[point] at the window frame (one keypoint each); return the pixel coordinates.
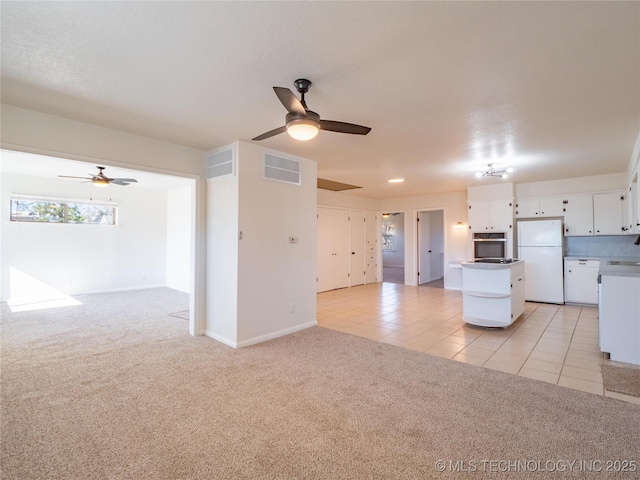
(64, 202)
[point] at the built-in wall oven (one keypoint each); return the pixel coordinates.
(489, 247)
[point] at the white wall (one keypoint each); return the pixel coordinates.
(567, 186)
(327, 198)
(454, 206)
(178, 266)
(260, 286)
(274, 274)
(495, 190)
(74, 259)
(222, 258)
(34, 132)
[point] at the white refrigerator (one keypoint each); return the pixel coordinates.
(540, 246)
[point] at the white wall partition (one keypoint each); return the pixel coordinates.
(178, 270)
(261, 251)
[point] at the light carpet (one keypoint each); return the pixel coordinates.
(116, 388)
(621, 379)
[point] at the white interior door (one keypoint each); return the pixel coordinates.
(424, 248)
(324, 271)
(341, 250)
(436, 244)
(358, 255)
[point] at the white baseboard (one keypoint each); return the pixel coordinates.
(279, 333)
(221, 339)
(261, 338)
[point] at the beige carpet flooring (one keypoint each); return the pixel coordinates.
(622, 379)
(116, 389)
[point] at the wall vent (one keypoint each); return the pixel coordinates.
(220, 163)
(280, 169)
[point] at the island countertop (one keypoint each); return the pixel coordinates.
(490, 266)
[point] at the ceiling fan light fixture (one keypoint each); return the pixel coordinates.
(99, 182)
(303, 129)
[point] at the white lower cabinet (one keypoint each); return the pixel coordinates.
(619, 318)
(492, 294)
(581, 280)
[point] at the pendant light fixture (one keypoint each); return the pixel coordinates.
(493, 172)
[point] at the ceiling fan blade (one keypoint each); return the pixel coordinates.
(271, 133)
(83, 178)
(127, 180)
(290, 101)
(342, 127)
(119, 181)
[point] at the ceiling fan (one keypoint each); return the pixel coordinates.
(101, 180)
(302, 123)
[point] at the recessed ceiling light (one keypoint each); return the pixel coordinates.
(396, 180)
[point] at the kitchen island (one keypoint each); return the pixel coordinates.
(619, 309)
(492, 293)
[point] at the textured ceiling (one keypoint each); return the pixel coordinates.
(549, 88)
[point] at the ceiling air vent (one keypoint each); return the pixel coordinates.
(280, 169)
(220, 163)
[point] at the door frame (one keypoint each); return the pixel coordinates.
(405, 239)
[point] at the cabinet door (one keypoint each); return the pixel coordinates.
(607, 214)
(527, 208)
(479, 216)
(358, 261)
(501, 215)
(580, 283)
(636, 202)
(578, 215)
(372, 246)
(628, 212)
(551, 207)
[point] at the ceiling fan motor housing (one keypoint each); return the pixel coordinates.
(293, 118)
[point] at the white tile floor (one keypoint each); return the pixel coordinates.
(553, 343)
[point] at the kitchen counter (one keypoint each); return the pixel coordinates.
(492, 293)
(490, 266)
(617, 270)
(619, 310)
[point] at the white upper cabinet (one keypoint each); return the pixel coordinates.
(578, 215)
(634, 205)
(608, 213)
(540, 207)
(552, 207)
(491, 215)
(628, 208)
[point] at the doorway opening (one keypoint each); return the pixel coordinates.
(152, 244)
(393, 247)
(431, 248)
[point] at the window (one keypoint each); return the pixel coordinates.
(44, 210)
(388, 235)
